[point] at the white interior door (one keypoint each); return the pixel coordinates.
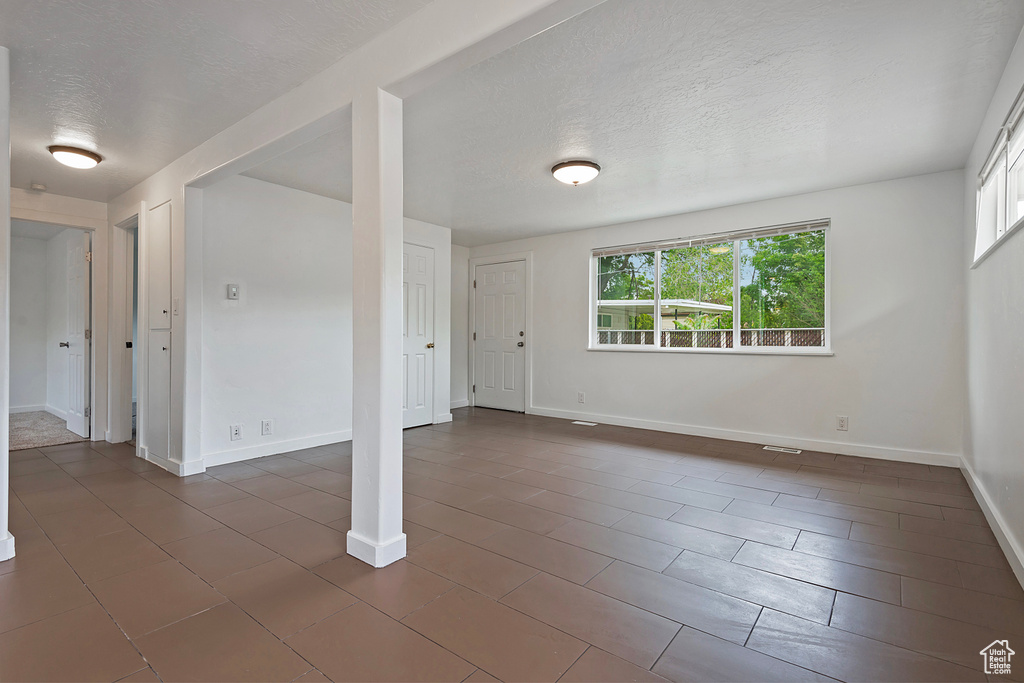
(417, 335)
(499, 349)
(78, 335)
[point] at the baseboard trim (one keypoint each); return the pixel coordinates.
(165, 463)
(28, 409)
(187, 469)
(863, 450)
(460, 404)
(375, 554)
(441, 419)
(160, 461)
(6, 546)
(1010, 544)
(62, 414)
(181, 469)
(276, 448)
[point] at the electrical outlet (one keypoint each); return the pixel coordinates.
(842, 423)
(236, 432)
(581, 397)
(267, 427)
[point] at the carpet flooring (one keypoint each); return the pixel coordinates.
(39, 429)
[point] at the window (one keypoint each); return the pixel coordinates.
(755, 290)
(626, 294)
(1001, 185)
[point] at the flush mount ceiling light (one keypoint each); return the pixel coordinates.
(575, 172)
(74, 157)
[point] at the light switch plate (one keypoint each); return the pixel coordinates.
(233, 292)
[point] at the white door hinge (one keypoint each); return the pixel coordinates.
(88, 257)
(88, 334)
(88, 411)
(474, 284)
(474, 388)
(474, 336)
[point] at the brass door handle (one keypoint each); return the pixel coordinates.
(430, 345)
(64, 345)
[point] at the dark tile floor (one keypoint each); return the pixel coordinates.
(538, 551)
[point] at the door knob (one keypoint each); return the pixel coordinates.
(520, 344)
(430, 345)
(65, 345)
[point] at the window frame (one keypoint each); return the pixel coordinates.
(735, 237)
(997, 169)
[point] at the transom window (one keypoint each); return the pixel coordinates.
(754, 290)
(1001, 185)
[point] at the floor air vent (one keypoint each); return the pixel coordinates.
(585, 424)
(780, 449)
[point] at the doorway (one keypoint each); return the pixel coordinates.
(124, 329)
(499, 336)
(131, 351)
(51, 335)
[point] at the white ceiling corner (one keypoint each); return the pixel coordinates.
(35, 230)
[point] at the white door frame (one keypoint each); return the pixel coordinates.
(120, 363)
(527, 257)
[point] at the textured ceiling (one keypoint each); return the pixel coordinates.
(689, 105)
(145, 81)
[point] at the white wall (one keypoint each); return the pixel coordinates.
(283, 351)
(57, 321)
(28, 324)
(897, 316)
(994, 443)
(460, 326)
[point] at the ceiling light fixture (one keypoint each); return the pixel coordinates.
(575, 172)
(75, 157)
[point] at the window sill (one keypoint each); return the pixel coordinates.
(999, 240)
(748, 351)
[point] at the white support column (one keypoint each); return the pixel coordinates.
(6, 540)
(376, 536)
